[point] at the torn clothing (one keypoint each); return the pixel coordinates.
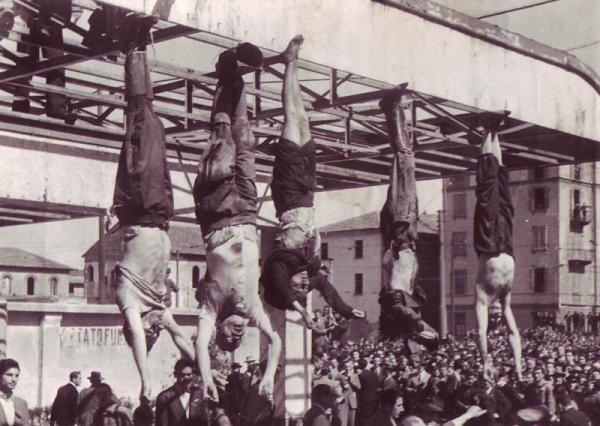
(225, 189)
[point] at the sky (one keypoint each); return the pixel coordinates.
(565, 24)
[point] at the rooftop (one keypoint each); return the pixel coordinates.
(428, 223)
(17, 258)
(185, 239)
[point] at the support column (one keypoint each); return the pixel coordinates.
(3, 323)
(49, 365)
(293, 381)
(443, 276)
(101, 260)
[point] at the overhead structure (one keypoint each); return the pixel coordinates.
(456, 68)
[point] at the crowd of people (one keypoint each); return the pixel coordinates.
(561, 374)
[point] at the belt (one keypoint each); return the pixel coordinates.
(161, 226)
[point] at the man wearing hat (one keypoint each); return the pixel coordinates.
(89, 400)
(294, 269)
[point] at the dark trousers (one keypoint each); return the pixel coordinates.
(143, 191)
(294, 175)
(225, 189)
(399, 216)
(494, 210)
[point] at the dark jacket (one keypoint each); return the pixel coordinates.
(367, 396)
(574, 417)
(278, 270)
(64, 407)
(315, 416)
(170, 411)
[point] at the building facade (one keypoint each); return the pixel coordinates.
(352, 251)
(555, 240)
(29, 277)
(187, 265)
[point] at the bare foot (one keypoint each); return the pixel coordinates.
(291, 51)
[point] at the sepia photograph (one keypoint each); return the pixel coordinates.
(299, 212)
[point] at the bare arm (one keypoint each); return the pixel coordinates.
(305, 315)
(264, 325)
(206, 329)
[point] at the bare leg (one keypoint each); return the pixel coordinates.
(296, 126)
(514, 338)
(183, 343)
(139, 349)
(482, 302)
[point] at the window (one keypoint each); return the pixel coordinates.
(539, 238)
(460, 181)
(358, 284)
(540, 199)
(76, 290)
(30, 286)
(577, 171)
(539, 173)
(90, 273)
(539, 276)
(459, 203)
(459, 244)
(576, 196)
(358, 249)
(6, 284)
(460, 282)
(460, 324)
(324, 251)
(54, 286)
(195, 276)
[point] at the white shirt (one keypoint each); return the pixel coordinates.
(8, 405)
(185, 402)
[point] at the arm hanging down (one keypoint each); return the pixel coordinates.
(273, 353)
(206, 329)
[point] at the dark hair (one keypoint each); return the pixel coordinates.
(362, 363)
(388, 397)
(7, 364)
(183, 363)
(320, 392)
(563, 396)
(224, 344)
(74, 374)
